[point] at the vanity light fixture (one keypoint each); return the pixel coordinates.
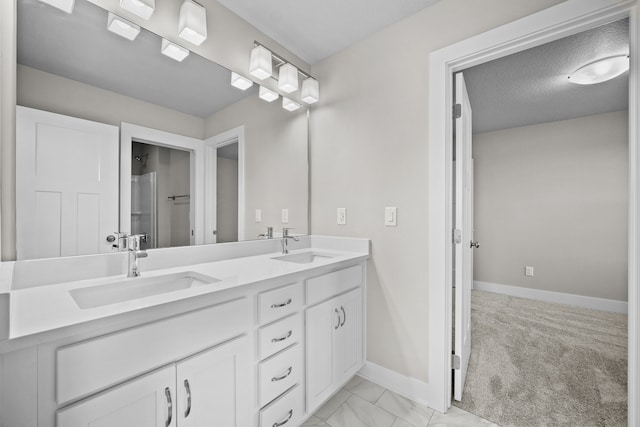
(192, 23)
(288, 78)
(142, 8)
(63, 5)
(310, 92)
(240, 82)
(173, 50)
(267, 94)
(260, 64)
(601, 70)
(122, 27)
(289, 105)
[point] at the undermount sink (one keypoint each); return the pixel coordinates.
(135, 288)
(304, 257)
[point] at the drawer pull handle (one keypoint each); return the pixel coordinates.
(282, 338)
(186, 386)
(283, 376)
(284, 304)
(344, 316)
(338, 324)
(283, 422)
(167, 393)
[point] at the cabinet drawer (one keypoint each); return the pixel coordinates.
(279, 335)
(322, 287)
(277, 303)
(279, 373)
(88, 366)
(284, 412)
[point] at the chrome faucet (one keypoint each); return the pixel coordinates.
(268, 234)
(285, 240)
(133, 247)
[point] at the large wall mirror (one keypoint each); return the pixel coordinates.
(196, 160)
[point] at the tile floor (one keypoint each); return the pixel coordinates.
(362, 403)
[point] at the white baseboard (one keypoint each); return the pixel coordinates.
(555, 297)
(408, 387)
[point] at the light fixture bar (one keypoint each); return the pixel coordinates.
(281, 61)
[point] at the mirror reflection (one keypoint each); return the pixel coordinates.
(200, 161)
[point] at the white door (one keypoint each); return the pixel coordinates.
(213, 387)
(463, 264)
(149, 401)
(66, 185)
(349, 348)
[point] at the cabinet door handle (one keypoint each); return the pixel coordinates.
(167, 393)
(344, 316)
(186, 386)
(286, 420)
(283, 376)
(338, 313)
(284, 304)
(282, 338)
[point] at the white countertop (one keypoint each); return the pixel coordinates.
(43, 308)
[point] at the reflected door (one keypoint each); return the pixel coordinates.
(66, 185)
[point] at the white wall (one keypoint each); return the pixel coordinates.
(369, 148)
(554, 196)
(276, 172)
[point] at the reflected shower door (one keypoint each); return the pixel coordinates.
(143, 208)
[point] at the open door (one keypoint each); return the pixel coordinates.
(463, 235)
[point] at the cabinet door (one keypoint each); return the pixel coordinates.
(213, 386)
(148, 401)
(323, 322)
(348, 350)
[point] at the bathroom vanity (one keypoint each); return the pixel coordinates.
(222, 335)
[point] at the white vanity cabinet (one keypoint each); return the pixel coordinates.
(211, 389)
(334, 336)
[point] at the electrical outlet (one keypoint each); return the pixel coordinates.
(391, 216)
(528, 271)
(342, 216)
(285, 216)
(258, 215)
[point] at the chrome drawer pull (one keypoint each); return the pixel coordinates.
(338, 313)
(167, 393)
(281, 305)
(283, 422)
(186, 386)
(282, 338)
(344, 316)
(280, 378)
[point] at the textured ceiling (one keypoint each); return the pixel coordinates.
(80, 47)
(316, 29)
(531, 87)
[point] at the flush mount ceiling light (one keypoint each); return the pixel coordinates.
(173, 50)
(288, 78)
(240, 82)
(142, 8)
(310, 91)
(600, 71)
(267, 94)
(192, 23)
(289, 104)
(122, 27)
(64, 5)
(260, 64)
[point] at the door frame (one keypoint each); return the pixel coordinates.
(211, 145)
(565, 19)
(130, 133)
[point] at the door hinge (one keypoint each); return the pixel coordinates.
(457, 111)
(457, 236)
(455, 361)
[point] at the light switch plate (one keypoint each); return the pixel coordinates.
(342, 216)
(258, 215)
(391, 216)
(528, 271)
(285, 216)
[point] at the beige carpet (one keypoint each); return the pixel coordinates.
(539, 364)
